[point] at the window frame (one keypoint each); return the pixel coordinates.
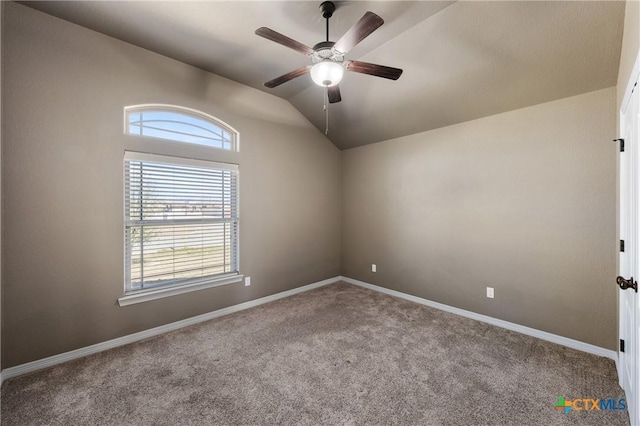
(206, 156)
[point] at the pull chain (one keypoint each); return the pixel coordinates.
(326, 109)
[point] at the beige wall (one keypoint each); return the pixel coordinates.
(65, 89)
(524, 202)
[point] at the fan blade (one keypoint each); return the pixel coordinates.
(373, 69)
(334, 94)
(288, 76)
(269, 34)
(360, 30)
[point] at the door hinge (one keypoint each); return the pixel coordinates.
(621, 245)
(621, 144)
(621, 345)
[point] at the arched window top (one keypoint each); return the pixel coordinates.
(180, 124)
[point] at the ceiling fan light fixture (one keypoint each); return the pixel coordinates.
(327, 73)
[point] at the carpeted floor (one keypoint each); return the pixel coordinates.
(339, 354)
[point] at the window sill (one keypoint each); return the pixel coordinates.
(160, 293)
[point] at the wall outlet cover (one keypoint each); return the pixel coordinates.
(247, 281)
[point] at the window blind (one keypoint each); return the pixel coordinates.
(181, 221)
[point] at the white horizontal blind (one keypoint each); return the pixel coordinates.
(181, 221)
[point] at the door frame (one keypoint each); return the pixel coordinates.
(634, 81)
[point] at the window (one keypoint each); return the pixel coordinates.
(181, 221)
(180, 215)
(179, 125)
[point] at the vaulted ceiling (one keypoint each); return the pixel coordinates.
(461, 60)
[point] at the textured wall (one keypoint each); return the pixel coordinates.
(65, 89)
(524, 202)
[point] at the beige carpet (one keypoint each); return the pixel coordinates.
(336, 355)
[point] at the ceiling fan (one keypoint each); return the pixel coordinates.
(328, 56)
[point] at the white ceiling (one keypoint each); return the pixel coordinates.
(461, 60)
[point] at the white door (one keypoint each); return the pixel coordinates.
(629, 322)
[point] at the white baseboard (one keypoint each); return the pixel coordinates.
(29, 367)
(554, 338)
(131, 338)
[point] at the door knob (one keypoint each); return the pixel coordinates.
(625, 284)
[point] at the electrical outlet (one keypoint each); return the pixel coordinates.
(373, 267)
(247, 281)
(490, 292)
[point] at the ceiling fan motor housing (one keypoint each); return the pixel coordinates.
(324, 51)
